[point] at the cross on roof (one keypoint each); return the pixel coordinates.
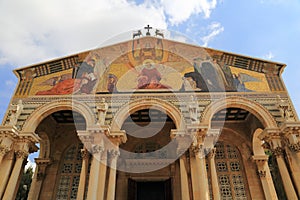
(148, 28)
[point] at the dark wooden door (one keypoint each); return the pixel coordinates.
(150, 190)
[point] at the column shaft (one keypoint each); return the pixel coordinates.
(93, 180)
(14, 177)
(101, 179)
(287, 182)
(5, 169)
(185, 194)
(199, 177)
(266, 179)
(83, 174)
(214, 176)
(112, 180)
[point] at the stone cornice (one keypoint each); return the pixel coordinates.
(288, 128)
(270, 133)
(9, 131)
(260, 158)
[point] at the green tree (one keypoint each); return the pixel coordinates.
(25, 183)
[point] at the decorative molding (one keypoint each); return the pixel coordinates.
(4, 150)
(295, 147)
(278, 151)
(261, 173)
(21, 154)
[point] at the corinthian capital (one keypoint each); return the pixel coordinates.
(295, 147)
(21, 154)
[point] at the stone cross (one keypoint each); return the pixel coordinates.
(148, 29)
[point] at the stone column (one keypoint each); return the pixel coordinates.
(3, 151)
(213, 174)
(293, 160)
(84, 171)
(102, 176)
(113, 141)
(38, 178)
(287, 182)
(183, 143)
(185, 194)
(21, 156)
(199, 175)
(5, 169)
(275, 139)
(113, 154)
(96, 151)
(7, 137)
(198, 163)
(265, 176)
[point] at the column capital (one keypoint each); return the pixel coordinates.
(198, 151)
(21, 154)
(97, 149)
(4, 150)
(295, 147)
(262, 173)
(278, 151)
(113, 153)
(84, 153)
(212, 153)
(42, 164)
(183, 139)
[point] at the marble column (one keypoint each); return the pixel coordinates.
(21, 156)
(38, 178)
(96, 151)
(293, 160)
(185, 194)
(287, 182)
(7, 137)
(102, 176)
(84, 171)
(265, 176)
(5, 169)
(3, 151)
(111, 190)
(199, 175)
(213, 174)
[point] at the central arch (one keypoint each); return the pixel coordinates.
(140, 104)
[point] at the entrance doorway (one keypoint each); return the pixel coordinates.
(149, 190)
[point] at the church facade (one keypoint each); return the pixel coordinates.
(152, 118)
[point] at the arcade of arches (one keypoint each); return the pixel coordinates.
(242, 159)
(152, 118)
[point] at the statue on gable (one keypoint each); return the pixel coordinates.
(193, 110)
(16, 111)
(284, 109)
(102, 109)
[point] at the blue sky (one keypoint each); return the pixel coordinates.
(34, 31)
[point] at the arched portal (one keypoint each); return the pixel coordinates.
(149, 148)
(59, 163)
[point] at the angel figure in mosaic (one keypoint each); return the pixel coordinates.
(240, 79)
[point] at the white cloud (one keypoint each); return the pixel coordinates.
(214, 29)
(30, 164)
(35, 30)
(179, 11)
(269, 56)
